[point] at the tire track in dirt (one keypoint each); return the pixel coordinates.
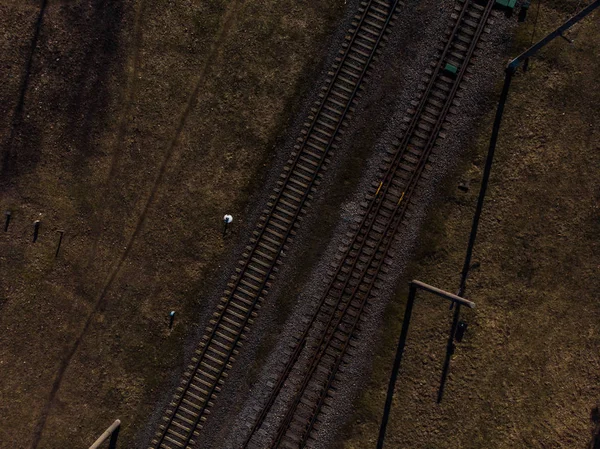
(213, 54)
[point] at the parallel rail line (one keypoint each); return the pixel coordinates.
(205, 376)
(328, 337)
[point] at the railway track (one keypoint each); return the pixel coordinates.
(202, 381)
(327, 339)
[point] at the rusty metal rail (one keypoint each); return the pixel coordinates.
(205, 376)
(329, 334)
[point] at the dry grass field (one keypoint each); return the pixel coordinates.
(527, 374)
(143, 122)
(136, 124)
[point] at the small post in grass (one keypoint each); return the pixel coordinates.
(61, 232)
(171, 319)
(36, 230)
(8, 215)
(226, 220)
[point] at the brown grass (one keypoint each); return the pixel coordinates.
(528, 372)
(103, 105)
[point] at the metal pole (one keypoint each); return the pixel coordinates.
(514, 64)
(510, 70)
(443, 294)
(475, 225)
(414, 285)
(113, 432)
(397, 362)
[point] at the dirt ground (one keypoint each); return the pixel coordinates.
(142, 123)
(527, 374)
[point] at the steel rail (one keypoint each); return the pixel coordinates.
(385, 185)
(302, 339)
(269, 275)
(412, 186)
(333, 373)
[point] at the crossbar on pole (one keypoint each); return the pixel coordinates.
(113, 429)
(558, 32)
(444, 294)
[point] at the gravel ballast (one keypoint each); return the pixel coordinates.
(393, 84)
(432, 19)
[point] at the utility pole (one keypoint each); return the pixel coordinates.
(511, 69)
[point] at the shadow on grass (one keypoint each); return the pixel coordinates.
(77, 96)
(84, 98)
(595, 417)
(9, 152)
